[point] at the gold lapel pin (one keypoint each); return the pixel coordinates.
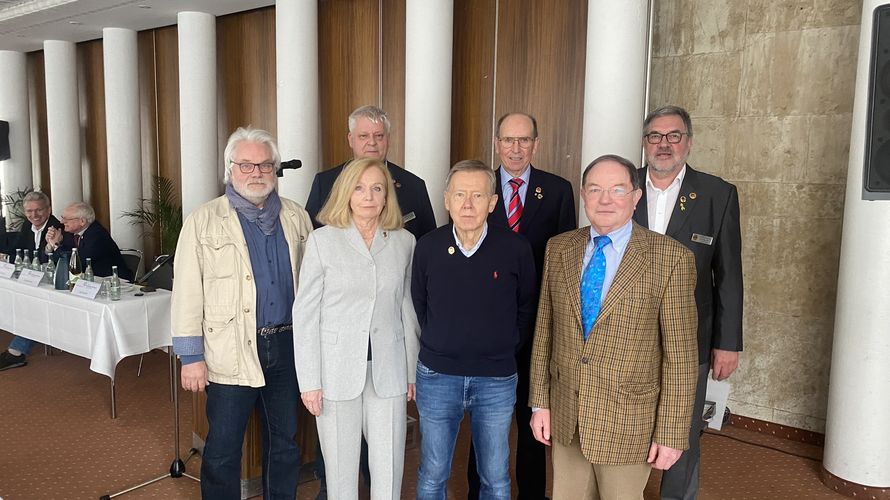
(538, 189)
(450, 250)
(692, 196)
(398, 185)
(682, 199)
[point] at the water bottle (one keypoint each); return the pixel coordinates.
(114, 286)
(49, 270)
(88, 272)
(26, 263)
(74, 269)
(19, 261)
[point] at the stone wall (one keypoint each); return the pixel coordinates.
(769, 85)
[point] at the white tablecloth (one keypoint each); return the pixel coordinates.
(105, 332)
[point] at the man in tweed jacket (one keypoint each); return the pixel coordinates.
(618, 403)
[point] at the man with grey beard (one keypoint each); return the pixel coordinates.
(236, 270)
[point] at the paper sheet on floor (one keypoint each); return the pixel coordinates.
(718, 393)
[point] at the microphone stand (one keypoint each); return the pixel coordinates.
(177, 467)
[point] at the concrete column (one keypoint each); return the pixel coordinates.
(14, 109)
(120, 57)
(63, 123)
(428, 57)
(857, 438)
(201, 172)
(615, 81)
(296, 67)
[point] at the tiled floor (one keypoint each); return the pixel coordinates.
(59, 442)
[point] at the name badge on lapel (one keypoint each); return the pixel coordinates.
(700, 238)
(408, 217)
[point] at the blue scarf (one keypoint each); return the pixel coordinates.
(266, 217)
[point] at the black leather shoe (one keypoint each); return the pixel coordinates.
(9, 360)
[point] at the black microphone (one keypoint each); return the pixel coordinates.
(289, 165)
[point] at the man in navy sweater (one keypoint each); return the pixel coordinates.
(474, 291)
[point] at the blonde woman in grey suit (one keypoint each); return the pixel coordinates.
(356, 333)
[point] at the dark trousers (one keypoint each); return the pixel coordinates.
(228, 409)
(680, 482)
(531, 458)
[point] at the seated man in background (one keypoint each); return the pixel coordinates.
(91, 240)
(31, 236)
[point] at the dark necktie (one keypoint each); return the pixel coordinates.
(592, 285)
(77, 241)
(514, 211)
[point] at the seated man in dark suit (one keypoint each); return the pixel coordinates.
(369, 137)
(32, 237)
(91, 240)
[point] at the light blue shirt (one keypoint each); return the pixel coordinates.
(613, 252)
(507, 189)
(468, 252)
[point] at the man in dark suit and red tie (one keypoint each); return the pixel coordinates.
(701, 211)
(537, 205)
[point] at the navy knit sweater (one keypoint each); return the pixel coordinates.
(474, 312)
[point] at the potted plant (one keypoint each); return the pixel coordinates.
(162, 213)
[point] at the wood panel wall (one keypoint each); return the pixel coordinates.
(392, 79)
(245, 56)
(166, 67)
(540, 64)
(348, 69)
(37, 96)
(91, 90)
(472, 95)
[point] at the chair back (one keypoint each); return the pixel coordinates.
(133, 260)
(161, 275)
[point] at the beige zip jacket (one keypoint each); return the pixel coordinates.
(213, 293)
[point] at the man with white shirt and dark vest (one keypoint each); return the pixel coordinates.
(701, 211)
(31, 236)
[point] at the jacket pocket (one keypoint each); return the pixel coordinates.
(220, 256)
(221, 346)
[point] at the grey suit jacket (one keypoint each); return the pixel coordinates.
(347, 294)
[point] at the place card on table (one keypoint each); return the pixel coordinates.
(31, 277)
(6, 270)
(86, 289)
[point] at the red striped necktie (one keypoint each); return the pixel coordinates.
(514, 211)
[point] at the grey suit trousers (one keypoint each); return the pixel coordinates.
(340, 429)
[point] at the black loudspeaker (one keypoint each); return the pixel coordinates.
(877, 136)
(4, 140)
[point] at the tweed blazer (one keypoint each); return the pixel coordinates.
(633, 381)
(347, 295)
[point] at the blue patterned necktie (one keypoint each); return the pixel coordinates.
(592, 285)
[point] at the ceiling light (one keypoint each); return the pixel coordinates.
(74, 22)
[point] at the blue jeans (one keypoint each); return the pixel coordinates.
(22, 345)
(229, 407)
(441, 402)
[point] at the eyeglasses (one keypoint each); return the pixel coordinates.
(615, 192)
(248, 168)
(672, 137)
(524, 142)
